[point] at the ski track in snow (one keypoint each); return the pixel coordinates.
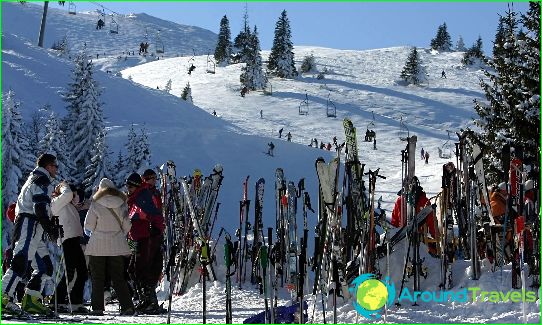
(359, 83)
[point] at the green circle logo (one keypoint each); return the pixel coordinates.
(371, 295)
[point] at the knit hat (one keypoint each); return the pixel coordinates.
(106, 183)
(134, 180)
(148, 172)
(529, 185)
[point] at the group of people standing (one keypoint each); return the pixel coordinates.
(124, 248)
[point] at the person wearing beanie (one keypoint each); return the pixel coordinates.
(146, 233)
(107, 220)
(63, 205)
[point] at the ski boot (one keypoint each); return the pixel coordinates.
(9, 307)
(33, 305)
(151, 307)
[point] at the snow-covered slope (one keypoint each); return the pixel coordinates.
(359, 83)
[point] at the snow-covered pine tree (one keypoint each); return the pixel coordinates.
(253, 76)
(512, 111)
(85, 115)
(34, 129)
(242, 42)
(133, 155)
(281, 60)
(474, 53)
(187, 93)
(308, 64)
(413, 72)
(500, 35)
(120, 174)
(460, 45)
(99, 166)
(54, 142)
(167, 88)
(442, 41)
(223, 45)
(144, 149)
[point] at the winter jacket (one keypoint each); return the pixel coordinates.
(34, 198)
(108, 236)
(422, 202)
(67, 213)
(497, 200)
(144, 213)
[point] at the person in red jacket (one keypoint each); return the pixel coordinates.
(147, 233)
(421, 202)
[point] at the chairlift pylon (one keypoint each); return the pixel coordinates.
(331, 109)
(211, 66)
(304, 106)
(191, 66)
(72, 8)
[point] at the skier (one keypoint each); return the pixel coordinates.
(107, 220)
(280, 133)
(422, 154)
(322, 145)
(64, 202)
(33, 225)
(244, 90)
(214, 112)
(289, 137)
(328, 147)
(426, 157)
(335, 140)
(261, 113)
(146, 232)
(443, 75)
(374, 143)
(270, 149)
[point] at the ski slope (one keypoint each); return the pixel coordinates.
(360, 84)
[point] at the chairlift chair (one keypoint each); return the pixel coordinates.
(304, 106)
(159, 44)
(113, 26)
(370, 133)
(72, 8)
(446, 150)
(404, 133)
(331, 109)
(211, 66)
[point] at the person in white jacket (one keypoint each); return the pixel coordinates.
(63, 205)
(107, 220)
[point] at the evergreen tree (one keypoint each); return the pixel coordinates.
(500, 35)
(54, 142)
(460, 45)
(120, 173)
(133, 159)
(242, 42)
(442, 41)
(413, 72)
(474, 53)
(34, 129)
(511, 114)
(281, 60)
(85, 116)
(308, 64)
(167, 88)
(99, 163)
(144, 148)
(223, 46)
(187, 93)
(253, 76)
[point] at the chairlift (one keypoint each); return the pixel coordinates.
(191, 66)
(159, 44)
(304, 106)
(113, 26)
(404, 133)
(370, 132)
(446, 150)
(211, 66)
(331, 109)
(72, 8)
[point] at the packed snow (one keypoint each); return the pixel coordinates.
(363, 85)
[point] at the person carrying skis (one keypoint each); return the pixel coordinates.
(34, 226)
(146, 233)
(64, 202)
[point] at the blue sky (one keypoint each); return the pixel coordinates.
(344, 25)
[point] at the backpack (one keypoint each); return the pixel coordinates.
(10, 213)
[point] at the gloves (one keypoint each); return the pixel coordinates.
(154, 231)
(52, 228)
